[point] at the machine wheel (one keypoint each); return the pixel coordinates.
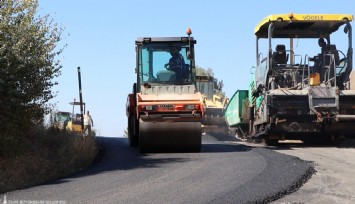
(310, 140)
(196, 148)
(133, 138)
(133, 125)
(271, 142)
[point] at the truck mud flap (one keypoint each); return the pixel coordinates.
(169, 136)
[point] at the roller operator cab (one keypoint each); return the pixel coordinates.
(165, 109)
(300, 88)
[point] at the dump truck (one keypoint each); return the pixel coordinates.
(164, 110)
(214, 103)
(300, 92)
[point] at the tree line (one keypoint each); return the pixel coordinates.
(28, 68)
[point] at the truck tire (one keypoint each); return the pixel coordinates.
(132, 133)
(133, 125)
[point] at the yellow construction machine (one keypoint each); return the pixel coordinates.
(214, 103)
(67, 121)
(75, 123)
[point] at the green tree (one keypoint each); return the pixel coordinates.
(28, 66)
(204, 72)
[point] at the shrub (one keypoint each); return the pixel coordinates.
(45, 155)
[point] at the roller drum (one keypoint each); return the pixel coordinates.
(169, 136)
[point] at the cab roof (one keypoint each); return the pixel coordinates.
(143, 40)
(301, 25)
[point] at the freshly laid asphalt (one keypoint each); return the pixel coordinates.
(224, 172)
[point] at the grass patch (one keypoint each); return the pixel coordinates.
(44, 155)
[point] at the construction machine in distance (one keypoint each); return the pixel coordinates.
(59, 119)
(164, 110)
(214, 103)
(67, 121)
(75, 123)
(294, 94)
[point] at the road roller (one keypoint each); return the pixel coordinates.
(164, 110)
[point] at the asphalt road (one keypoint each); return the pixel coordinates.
(334, 181)
(224, 172)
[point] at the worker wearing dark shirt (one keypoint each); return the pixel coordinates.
(176, 63)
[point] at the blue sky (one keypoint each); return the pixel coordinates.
(100, 39)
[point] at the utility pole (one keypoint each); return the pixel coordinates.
(81, 100)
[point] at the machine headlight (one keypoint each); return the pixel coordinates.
(189, 107)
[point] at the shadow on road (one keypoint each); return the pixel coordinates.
(223, 148)
(118, 155)
(291, 144)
